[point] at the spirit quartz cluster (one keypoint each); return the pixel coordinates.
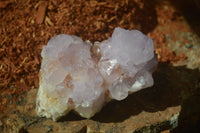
(76, 75)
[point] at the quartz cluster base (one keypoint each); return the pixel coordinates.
(76, 75)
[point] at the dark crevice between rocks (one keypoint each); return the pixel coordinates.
(189, 118)
(155, 128)
(71, 116)
(190, 9)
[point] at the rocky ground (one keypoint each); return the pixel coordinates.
(171, 105)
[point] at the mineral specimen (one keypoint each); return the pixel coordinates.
(76, 75)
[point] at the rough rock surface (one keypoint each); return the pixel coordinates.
(161, 107)
(172, 24)
(72, 79)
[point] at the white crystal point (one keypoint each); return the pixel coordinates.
(75, 77)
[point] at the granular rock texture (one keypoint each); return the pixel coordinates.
(74, 77)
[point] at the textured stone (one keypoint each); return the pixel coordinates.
(72, 78)
(150, 110)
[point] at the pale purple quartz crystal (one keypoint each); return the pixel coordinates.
(72, 79)
(126, 62)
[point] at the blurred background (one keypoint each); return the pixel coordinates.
(174, 25)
